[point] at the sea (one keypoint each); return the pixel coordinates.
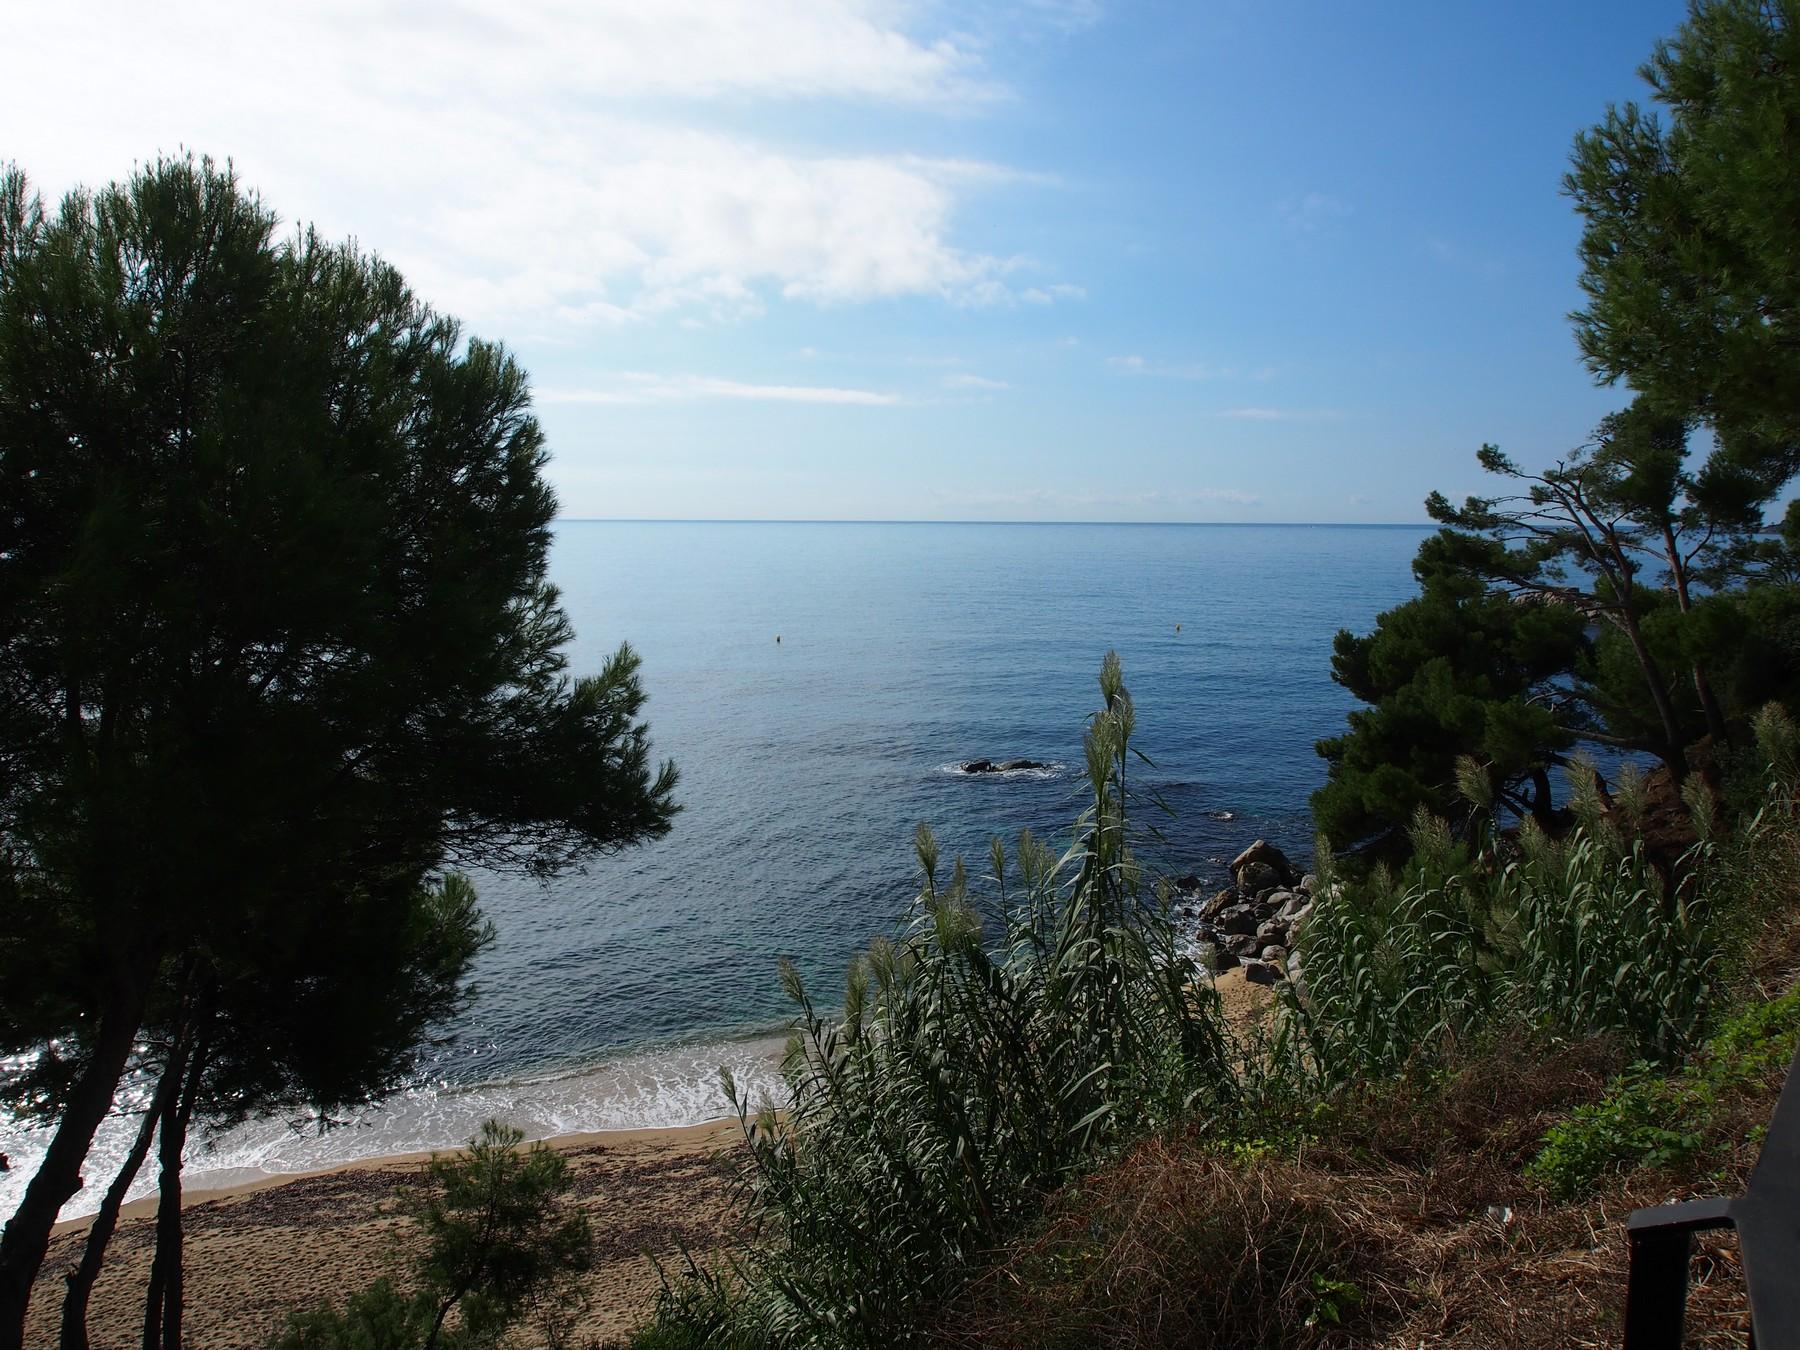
(818, 685)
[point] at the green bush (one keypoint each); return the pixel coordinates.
(1669, 1122)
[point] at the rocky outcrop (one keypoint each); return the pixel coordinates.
(1256, 921)
(999, 766)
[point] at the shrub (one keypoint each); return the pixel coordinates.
(1672, 1122)
(500, 1245)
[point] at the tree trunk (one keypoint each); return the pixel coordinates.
(1671, 753)
(163, 1298)
(1543, 808)
(1709, 705)
(27, 1235)
(93, 1255)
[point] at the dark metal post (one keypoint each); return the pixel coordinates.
(1656, 1294)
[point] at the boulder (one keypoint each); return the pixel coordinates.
(1240, 945)
(1272, 930)
(1261, 972)
(978, 766)
(1309, 883)
(1275, 954)
(1258, 876)
(1264, 854)
(1218, 904)
(1209, 956)
(1188, 883)
(1237, 919)
(1296, 909)
(1012, 764)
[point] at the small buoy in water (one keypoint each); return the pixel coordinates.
(1177, 628)
(778, 639)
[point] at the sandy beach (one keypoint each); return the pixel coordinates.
(255, 1252)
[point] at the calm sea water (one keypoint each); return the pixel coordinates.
(610, 997)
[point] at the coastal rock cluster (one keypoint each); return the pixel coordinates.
(1254, 921)
(998, 766)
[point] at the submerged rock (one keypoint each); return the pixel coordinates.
(1003, 766)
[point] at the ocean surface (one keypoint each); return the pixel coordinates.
(611, 997)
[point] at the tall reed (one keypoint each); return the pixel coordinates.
(966, 1078)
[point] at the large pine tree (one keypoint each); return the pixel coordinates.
(275, 628)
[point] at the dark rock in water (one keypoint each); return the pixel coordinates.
(1188, 883)
(1264, 854)
(1218, 904)
(1005, 766)
(1259, 876)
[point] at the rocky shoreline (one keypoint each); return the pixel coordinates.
(1253, 923)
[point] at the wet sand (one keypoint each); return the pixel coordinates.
(256, 1252)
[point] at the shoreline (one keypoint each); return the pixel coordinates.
(627, 1137)
(260, 1250)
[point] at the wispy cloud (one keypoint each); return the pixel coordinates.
(639, 387)
(964, 381)
(1284, 414)
(539, 165)
(1138, 365)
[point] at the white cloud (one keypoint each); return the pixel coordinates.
(1284, 414)
(537, 165)
(973, 382)
(640, 387)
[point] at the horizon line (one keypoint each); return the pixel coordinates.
(899, 520)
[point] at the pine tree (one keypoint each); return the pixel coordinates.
(275, 628)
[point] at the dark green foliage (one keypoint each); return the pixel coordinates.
(501, 1244)
(1668, 1121)
(1689, 256)
(277, 649)
(377, 1318)
(498, 1242)
(1458, 671)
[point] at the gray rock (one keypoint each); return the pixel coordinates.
(1272, 930)
(1210, 957)
(1256, 877)
(1264, 854)
(1237, 919)
(1220, 901)
(1260, 972)
(1295, 909)
(1274, 953)
(1240, 945)
(1309, 883)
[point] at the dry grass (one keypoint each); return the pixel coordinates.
(1417, 1200)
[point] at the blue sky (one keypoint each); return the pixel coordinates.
(1044, 260)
